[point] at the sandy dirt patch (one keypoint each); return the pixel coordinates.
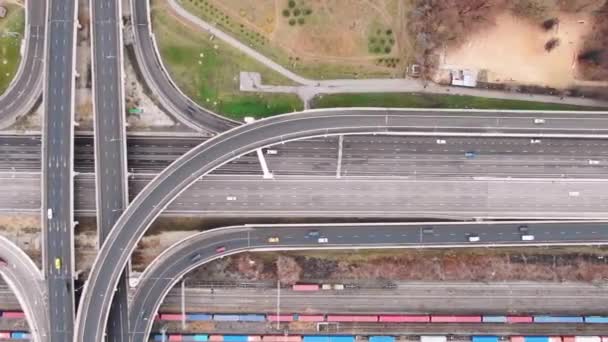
(513, 51)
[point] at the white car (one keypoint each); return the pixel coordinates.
(272, 152)
(473, 238)
(594, 162)
(322, 240)
(49, 213)
(527, 237)
(539, 121)
(441, 141)
(534, 141)
(230, 198)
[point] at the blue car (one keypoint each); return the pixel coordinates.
(470, 154)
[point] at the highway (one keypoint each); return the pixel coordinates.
(175, 103)
(26, 87)
(223, 148)
(364, 197)
(57, 168)
(112, 194)
(25, 280)
(171, 265)
(361, 156)
(407, 297)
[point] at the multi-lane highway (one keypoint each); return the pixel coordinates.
(110, 138)
(25, 279)
(57, 167)
(176, 103)
(223, 148)
(26, 87)
(176, 261)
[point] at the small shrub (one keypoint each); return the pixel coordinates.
(372, 40)
(391, 41)
(296, 12)
(389, 32)
(301, 21)
(387, 49)
(376, 49)
(308, 11)
(292, 21)
(286, 13)
(291, 3)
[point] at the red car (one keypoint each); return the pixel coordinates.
(220, 249)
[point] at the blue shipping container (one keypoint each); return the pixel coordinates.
(252, 318)
(226, 318)
(494, 319)
(317, 338)
(187, 338)
(201, 338)
(341, 338)
(485, 338)
(536, 338)
(198, 317)
(596, 319)
(381, 339)
(20, 335)
(558, 319)
(158, 338)
(235, 338)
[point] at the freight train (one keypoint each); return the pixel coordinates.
(352, 338)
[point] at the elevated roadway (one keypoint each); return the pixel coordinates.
(57, 167)
(112, 194)
(221, 149)
(26, 87)
(176, 103)
(25, 280)
(169, 267)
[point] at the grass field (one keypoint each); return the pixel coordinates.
(208, 71)
(11, 33)
(411, 100)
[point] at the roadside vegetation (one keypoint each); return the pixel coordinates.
(412, 100)
(208, 71)
(11, 33)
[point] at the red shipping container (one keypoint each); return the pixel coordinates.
(282, 338)
(280, 318)
(555, 339)
(5, 335)
(456, 319)
(171, 317)
(405, 318)
(175, 338)
(305, 287)
(216, 338)
(311, 318)
(569, 339)
(351, 318)
(519, 319)
(517, 339)
(13, 314)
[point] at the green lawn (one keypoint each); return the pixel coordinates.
(208, 71)
(11, 33)
(412, 100)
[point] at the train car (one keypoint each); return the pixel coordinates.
(199, 317)
(5, 335)
(433, 338)
(382, 339)
(254, 338)
(494, 319)
(587, 339)
(596, 319)
(485, 339)
(252, 318)
(352, 318)
(13, 314)
(536, 338)
(195, 338)
(225, 318)
(516, 339)
(280, 318)
(235, 338)
(281, 338)
(520, 319)
(20, 335)
(328, 338)
(171, 317)
(405, 318)
(175, 338)
(558, 319)
(216, 338)
(455, 319)
(305, 287)
(310, 318)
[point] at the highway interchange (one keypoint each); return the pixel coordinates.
(551, 164)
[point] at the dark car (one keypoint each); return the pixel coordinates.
(195, 257)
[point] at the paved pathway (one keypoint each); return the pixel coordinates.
(309, 88)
